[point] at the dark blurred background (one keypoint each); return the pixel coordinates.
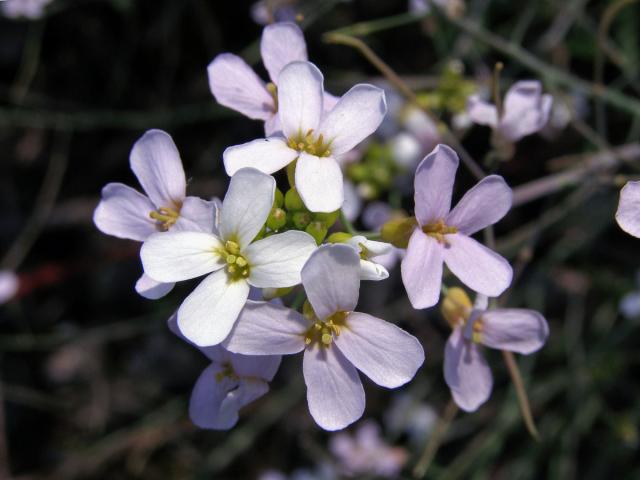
(93, 383)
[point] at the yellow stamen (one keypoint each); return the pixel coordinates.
(438, 230)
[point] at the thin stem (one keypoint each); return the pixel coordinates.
(497, 99)
(299, 300)
(403, 88)
(521, 392)
(347, 224)
(435, 440)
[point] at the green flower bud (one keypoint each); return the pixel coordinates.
(317, 230)
(292, 201)
(339, 237)
(262, 232)
(398, 231)
(271, 293)
(277, 219)
(278, 199)
(301, 220)
(327, 218)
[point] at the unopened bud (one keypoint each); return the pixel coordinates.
(456, 307)
(278, 199)
(300, 220)
(339, 237)
(292, 201)
(277, 219)
(327, 218)
(398, 231)
(271, 293)
(317, 230)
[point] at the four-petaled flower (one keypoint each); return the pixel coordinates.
(231, 257)
(125, 213)
(235, 85)
(628, 213)
(525, 111)
(368, 251)
(311, 138)
(337, 341)
(443, 235)
(228, 384)
(465, 369)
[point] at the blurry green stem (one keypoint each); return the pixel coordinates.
(525, 408)
(347, 224)
(435, 440)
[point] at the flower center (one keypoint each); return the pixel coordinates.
(438, 230)
(322, 332)
(226, 372)
(310, 144)
(237, 265)
(476, 334)
(273, 91)
(165, 216)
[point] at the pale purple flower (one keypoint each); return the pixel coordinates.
(9, 284)
(235, 85)
(337, 341)
(466, 371)
(366, 453)
(228, 384)
(370, 251)
(525, 111)
(230, 258)
(443, 235)
(310, 137)
(125, 213)
(628, 213)
(265, 12)
(29, 9)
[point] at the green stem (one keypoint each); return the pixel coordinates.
(347, 224)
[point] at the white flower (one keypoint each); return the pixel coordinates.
(9, 284)
(628, 213)
(368, 250)
(311, 138)
(29, 9)
(125, 213)
(234, 263)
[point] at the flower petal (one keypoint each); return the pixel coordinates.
(466, 372)
(372, 271)
(383, 352)
(257, 366)
(177, 256)
(267, 329)
(156, 162)
(628, 213)
(276, 261)
(331, 279)
(514, 329)
(358, 114)
(319, 183)
(246, 205)
(266, 154)
(486, 203)
(9, 285)
(235, 85)
(197, 215)
(481, 112)
(434, 184)
(300, 98)
(124, 213)
(526, 111)
(148, 288)
(479, 268)
(207, 397)
(207, 315)
(281, 44)
(334, 390)
(272, 126)
(422, 270)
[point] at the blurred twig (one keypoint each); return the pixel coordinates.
(521, 391)
(29, 63)
(435, 440)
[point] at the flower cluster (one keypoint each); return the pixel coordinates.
(262, 242)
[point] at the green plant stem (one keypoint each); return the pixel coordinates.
(521, 392)
(435, 440)
(347, 224)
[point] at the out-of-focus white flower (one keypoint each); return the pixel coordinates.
(630, 303)
(628, 213)
(265, 12)
(408, 415)
(406, 150)
(352, 201)
(29, 9)
(366, 452)
(451, 7)
(9, 284)
(322, 471)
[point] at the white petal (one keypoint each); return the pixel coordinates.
(9, 285)
(257, 366)
(479, 268)
(372, 271)
(235, 85)
(433, 184)
(466, 372)
(422, 270)
(177, 256)
(281, 44)
(352, 204)
(148, 288)
(371, 248)
(334, 390)
(266, 154)
(300, 93)
(514, 329)
(197, 215)
(525, 110)
(628, 213)
(267, 329)
(156, 162)
(357, 115)
(486, 203)
(331, 279)
(319, 183)
(246, 205)
(207, 315)
(124, 213)
(383, 352)
(481, 112)
(206, 400)
(272, 126)
(276, 261)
